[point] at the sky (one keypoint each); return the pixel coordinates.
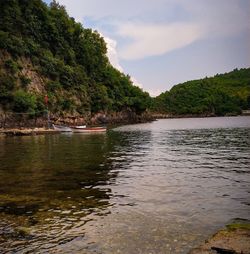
(161, 43)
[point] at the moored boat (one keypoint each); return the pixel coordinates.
(80, 126)
(88, 129)
(61, 128)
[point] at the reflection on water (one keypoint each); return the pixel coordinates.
(51, 184)
(159, 187)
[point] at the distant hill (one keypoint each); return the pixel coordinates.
(223, 94)
(45, 52)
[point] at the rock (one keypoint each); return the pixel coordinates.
(234, 239)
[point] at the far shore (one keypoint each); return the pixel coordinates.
(169, 116)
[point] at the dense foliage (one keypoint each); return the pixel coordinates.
(70, 59)
(41, 44)
(219, 95)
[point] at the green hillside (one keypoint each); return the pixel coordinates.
(224, 94)
(44, 51)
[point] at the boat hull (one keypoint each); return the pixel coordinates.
(61, 128)
(89, 130)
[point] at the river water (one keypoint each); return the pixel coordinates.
(160, 187)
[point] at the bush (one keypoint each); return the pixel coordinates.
(12, 66)
(7, 84)
(40, 106)
(24, 102)
(16, 46)
(52, 86)
(4, 40)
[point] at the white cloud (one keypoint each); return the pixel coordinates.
(211, 19)
(160, 26)
(154, 92)
(114, 59)
(112, 53)
(99, 9)
(137, 29)
(156, 39)
(136, 82)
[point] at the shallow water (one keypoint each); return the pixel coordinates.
(159, 187)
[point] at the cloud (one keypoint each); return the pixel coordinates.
(146, 28)
(112, 53)
(114, 59)
(154, 92)
(156, 39)
(136, 82)
(139, 29)
(220, 18)
(99, 9)
(216, 19)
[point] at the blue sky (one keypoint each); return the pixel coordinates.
(161, 43)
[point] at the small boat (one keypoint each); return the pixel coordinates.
(88, 129)
(80, 127)
(61, 128)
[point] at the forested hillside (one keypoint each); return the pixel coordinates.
(45, 52)
(224, 94)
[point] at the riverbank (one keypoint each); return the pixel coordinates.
(171, 116)
(233, 239)
(12, 121)
(27, 131)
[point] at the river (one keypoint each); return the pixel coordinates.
(160, 187)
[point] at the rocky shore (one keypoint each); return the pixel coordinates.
(27, 131)
(233, 239)
(12, 121)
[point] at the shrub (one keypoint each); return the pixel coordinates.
(12, 66)
(24, 102)
(7, 84)
(52, 86)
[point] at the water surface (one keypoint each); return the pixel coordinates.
(160, 187)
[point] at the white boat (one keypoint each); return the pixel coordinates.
(80, 127)
(61, 128)
(88, 129)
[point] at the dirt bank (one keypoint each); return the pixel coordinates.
(27, 132)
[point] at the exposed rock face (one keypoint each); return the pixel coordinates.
(11, 120)
(37, 82)
(37, 85)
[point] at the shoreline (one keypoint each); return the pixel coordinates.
(167, 116)
(32, 131)
(27, 131)
(234, 238)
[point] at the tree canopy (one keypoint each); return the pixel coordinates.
(41, 42)
(70, 58)
(222, 94)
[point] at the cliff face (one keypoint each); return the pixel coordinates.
(22, 70)
(37, 85)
